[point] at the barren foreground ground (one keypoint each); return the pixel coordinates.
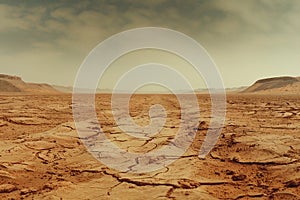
(256, 157)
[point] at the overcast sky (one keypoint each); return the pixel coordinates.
(46, 41)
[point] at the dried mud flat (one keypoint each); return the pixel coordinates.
(256, 157)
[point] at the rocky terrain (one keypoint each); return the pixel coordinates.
(14, 84)
(256, 157)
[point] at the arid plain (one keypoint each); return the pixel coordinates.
(256, 157)
(257, 154)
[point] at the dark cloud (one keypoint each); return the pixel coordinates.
(243, 30)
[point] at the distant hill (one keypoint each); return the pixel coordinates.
(69, 89)
(280, 85)
(14, 84)
(64, 89)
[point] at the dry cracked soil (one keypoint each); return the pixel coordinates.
(256, 157)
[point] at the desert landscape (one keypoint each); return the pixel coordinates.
(153, 99)
(256, 157)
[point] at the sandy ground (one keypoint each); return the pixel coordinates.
(256, 157)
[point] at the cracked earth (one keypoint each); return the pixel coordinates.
(256, 157)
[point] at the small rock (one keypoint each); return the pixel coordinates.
(47, 187)
(229, 172)
(240, 177)
(7, 188)
(292, 183)
(27, 191)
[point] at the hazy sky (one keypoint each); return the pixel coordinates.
(46, 41)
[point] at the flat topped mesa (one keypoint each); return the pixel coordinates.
(277, 85)
(286, 79)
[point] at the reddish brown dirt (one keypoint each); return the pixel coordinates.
(256, 157)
